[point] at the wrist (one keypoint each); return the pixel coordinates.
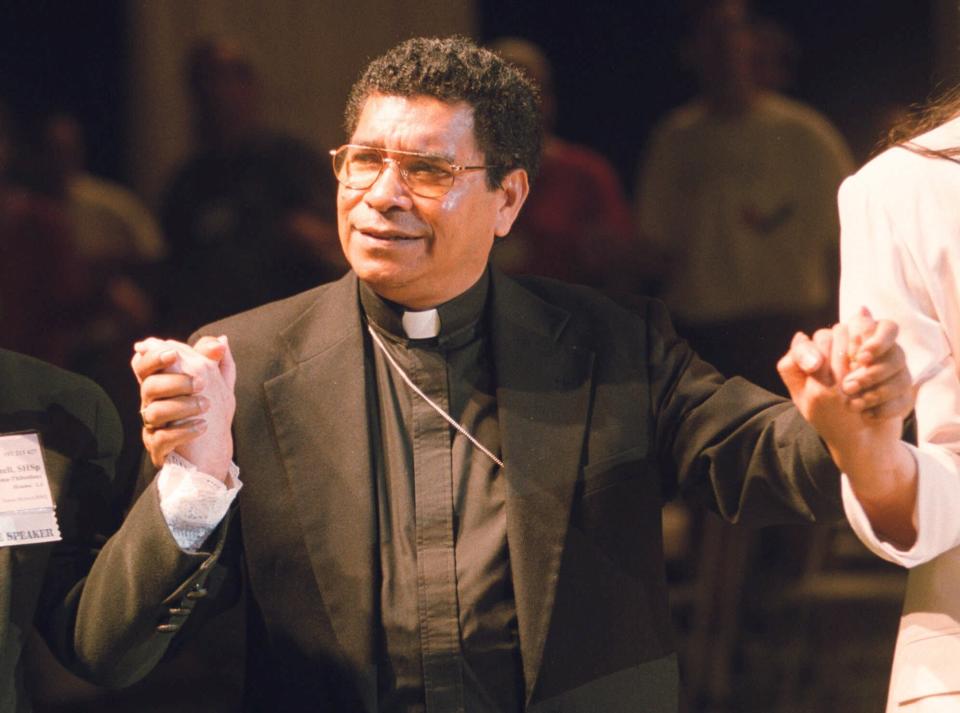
(214, 463)
(879, 472)
(868, 447)
(886, 485)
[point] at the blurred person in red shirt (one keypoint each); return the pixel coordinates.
(576, 225)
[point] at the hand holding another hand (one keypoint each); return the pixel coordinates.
(187, 400)
(852, 384)
(850, 380)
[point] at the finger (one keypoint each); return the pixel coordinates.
(860, 327)
(839, 359)
(805, 353)
(228, 367)
(895, 391)
(210, 347)
(167, 412)
(152, 361)
(162, 442)
(897, 408)
(165, 386)
(148, 344)
(864, 378)
(792, 376)
(823, 339)
(794, 366)
(883, 338)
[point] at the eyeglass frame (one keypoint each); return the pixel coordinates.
(455, 168)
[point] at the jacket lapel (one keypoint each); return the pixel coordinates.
(319, 409)
(543, 396)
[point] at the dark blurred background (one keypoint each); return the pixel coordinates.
(617, 64)
(98, 90)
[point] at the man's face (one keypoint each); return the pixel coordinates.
(421, 252)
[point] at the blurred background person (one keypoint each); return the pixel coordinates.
(249, 214)
(45, 283)
(118, 241)
(737, 193)
(736, 209)
(776, 55)
(114, 229)
(576, 225)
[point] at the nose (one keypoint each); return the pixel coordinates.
(389, 190)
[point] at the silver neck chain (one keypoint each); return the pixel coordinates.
(436, 407)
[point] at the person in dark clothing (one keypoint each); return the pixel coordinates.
(248, 216)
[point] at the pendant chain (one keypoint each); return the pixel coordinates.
(447, 417)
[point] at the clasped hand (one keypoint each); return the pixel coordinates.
(187, 400)
(850, 382)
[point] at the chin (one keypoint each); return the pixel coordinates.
(383, 278)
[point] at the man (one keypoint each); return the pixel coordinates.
(575, 225)
(42, 575)
(43, 278)
(737, 193)
(248, 214)
(452, 480)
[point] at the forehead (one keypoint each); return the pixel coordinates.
(417, 123)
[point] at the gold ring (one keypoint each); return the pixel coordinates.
(143, 419)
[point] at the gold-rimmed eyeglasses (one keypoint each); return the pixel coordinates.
(359, 167)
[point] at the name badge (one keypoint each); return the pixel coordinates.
(27, 513)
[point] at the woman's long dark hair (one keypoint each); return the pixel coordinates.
(927, 117)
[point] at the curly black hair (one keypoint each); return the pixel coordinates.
(453, 69)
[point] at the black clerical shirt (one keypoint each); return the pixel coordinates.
(448, 619)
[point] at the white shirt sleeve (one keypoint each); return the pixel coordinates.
(895, 259)
(193, 503)
(935, 515)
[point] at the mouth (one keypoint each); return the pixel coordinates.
(387, 235)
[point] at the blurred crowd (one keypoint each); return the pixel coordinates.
(88, 267)
(733, 221)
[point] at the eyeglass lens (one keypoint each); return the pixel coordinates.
(359, 167)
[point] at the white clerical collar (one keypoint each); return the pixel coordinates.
(421, 325)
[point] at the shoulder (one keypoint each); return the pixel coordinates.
(595, 318)
(262, 325)
(793, 112)
(574, 162)
(801, 120)
(32, 382)
(266, 337)
(38, 395)
(689, 117)
(902, 179)
(577, 156)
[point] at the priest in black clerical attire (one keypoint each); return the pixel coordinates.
(452, 479)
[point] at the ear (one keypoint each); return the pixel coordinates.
(513, 189)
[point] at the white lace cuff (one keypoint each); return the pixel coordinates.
(193, 503)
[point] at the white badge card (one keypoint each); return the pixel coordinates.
(27, 513)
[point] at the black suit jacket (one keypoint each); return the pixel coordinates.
(603, 415)
(81, 437)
